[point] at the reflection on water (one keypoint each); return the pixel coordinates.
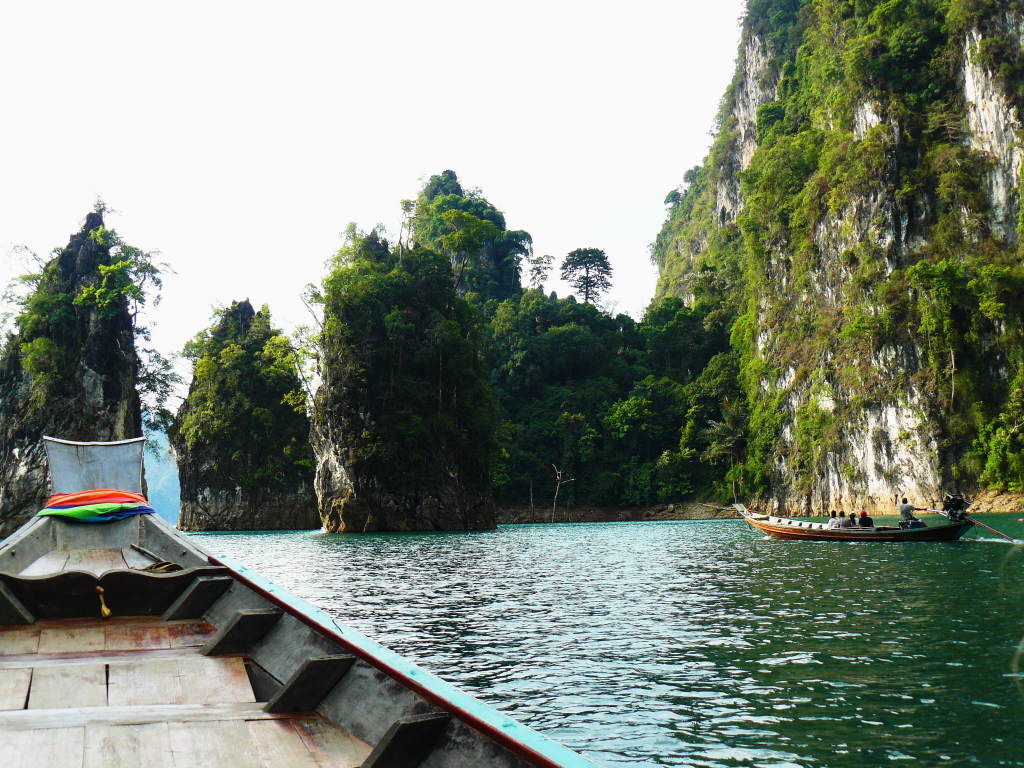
(692, 643)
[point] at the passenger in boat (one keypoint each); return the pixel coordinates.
(865, 521)
(854, 522)
(833, 523)
(845, 522)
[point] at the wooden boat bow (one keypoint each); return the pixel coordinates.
(212, 664)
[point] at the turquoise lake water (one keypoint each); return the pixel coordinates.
(694, 643)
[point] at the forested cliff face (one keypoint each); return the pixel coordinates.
(403, 421)
(70, 370)
(241, 437)
(855, 227)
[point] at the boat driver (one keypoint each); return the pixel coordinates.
(907, 519)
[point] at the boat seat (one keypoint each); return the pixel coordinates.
(72, 594)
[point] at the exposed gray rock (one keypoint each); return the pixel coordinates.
(404, 498)
(993, 129)
(756, 87)
(210, 506)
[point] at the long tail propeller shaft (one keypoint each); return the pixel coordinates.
(980, 525)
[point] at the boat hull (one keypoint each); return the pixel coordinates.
(783, 528)
(286, 660)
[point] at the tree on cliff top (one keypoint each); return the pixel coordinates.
(245, 414)
(486, 257)
(403, 377)
(96, 287)
(588, 271)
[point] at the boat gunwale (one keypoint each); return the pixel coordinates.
(487, 720)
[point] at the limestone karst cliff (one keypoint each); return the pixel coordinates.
(70, 370)
(856, 226)
(403, 419)
(241, 437)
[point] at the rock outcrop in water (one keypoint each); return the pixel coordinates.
(858, 218)
(403, 419)
(70, 371)
(241, 437)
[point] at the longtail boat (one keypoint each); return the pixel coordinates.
(123, 643)
(788, 528)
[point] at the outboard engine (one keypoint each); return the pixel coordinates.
(955, 506)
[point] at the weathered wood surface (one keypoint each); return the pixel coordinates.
(95, 561)
(287, 646)
(215, 744)
(106, 657)
(51, 562)
(189, 633)
(14, 685)
(135, 683)
(330, 746)
(231, 736)
(407, 742)
(133, 558)
(17, 641)
(161, 713)
(138, 692)
(140, 637)
(306, 742)
(72, 639)
(198, 597)
(128, 746)
(222, 682)
(304, 690)
(85, 636)
(279, 744)
(70, 685)
(243, 630)
(52, 748)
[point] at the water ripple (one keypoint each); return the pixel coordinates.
(697, 644)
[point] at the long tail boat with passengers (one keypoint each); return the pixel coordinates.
(789, 528)
(123, 643)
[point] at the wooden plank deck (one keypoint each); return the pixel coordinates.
(135, 692)
(14, 685)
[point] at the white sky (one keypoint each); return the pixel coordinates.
(239, 139)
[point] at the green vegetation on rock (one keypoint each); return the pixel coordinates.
(520, 381)
(485, 255)
(244, 419)
(870, 262)
(71, 368)
(404, 418)
(620, 406)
